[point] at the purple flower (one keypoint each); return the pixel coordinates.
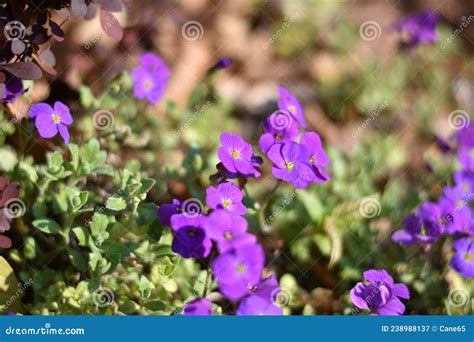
(198, 307)
(237, 155)
(380, 295)
(228, 230)
(278, 127)
(411, 229)
(257, 306)
(228, 196)
(291, 164)
(425, 226)
(317, 156)
(466, 158)
(49, 121)
(150, 78)
(236, 270)
(418, 28)
(267, 289)
(154, 63)
(465, 180)
(463, 260)
(222, 63)
(465, 136)
(166, 211)
(13, 88)
(190, 238)
(290, 104)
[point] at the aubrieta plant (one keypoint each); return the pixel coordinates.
(452, 214)
(103, 211)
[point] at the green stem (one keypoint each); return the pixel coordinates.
(206, 284)
(266, 201)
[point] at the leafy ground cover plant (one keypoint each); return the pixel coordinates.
(128, 200)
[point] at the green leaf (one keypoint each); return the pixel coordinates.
(163, 251)
(77, 199)
(74, 150)
(8, 159)
(28, 171)
(116, 203)
(8, 288)
(99, 227)
(146, 185)
(145, 287)
(55, 161)
(156, 305)
(82, 236)
(47, 226)
(78, 260)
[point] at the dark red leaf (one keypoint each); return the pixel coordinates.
(23, 70)
(5, 242)
(111, 26)
(57, 31)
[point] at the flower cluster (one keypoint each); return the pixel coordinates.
(300, 163)
(150, 78)
(381, 296)
(8, 192)
(452, 214)
(239, 265)
(417, 29)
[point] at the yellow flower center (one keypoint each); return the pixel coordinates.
(240, 268)
(460, 203)
(312, 160)
(468, 256)
(147, 85)
(289, 166)
(466, 187)
(292, 109)
(235, 154)
(56, 118)
(226, 203)
(228, 236)
(277, 137)
(191, 232)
